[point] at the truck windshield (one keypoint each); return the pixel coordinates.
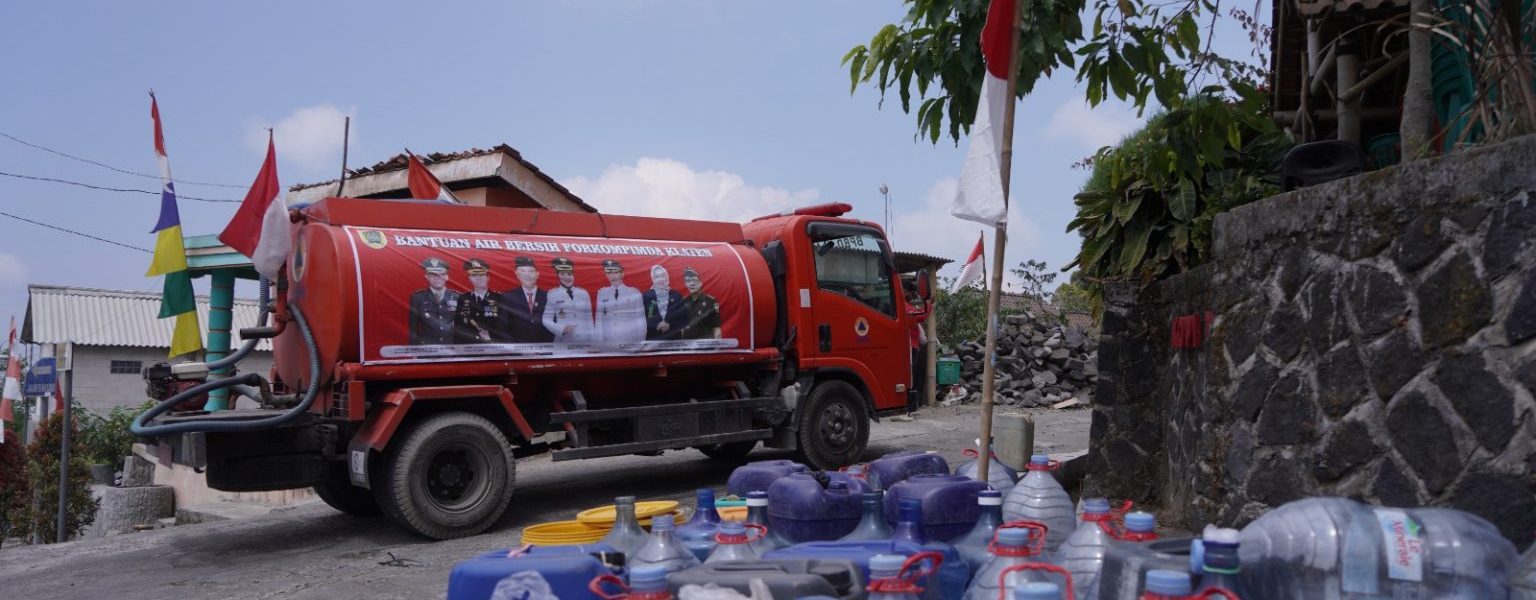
(852, 262)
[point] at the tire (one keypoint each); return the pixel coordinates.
(731, 452)
(832, 427)
(449, 476)
(340, 494)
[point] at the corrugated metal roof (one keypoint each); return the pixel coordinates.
(95, 317)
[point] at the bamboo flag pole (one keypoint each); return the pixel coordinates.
(1000, 241)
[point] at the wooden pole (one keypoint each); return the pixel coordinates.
(346, 136)
(931, 355)
(1000, 241)
(59, 534)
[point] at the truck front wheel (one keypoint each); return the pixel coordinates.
(449, 476)
(833, 425)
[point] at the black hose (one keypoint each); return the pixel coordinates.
(249, 345)
(218, 425)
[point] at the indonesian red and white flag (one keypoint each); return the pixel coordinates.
(12, 390)
(980, 196)
(974, 269)
(260, 229)
(423, 184)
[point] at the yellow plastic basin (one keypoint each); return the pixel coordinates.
(563, 533)
(604, 516)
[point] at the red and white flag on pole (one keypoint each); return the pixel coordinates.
(423, 184)
(980, 197)
(974, 270)
(12, 390)
(260, 229)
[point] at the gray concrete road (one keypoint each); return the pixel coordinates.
(313, 552)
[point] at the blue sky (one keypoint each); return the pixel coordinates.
(666, 107)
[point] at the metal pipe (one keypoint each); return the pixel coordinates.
(1320, 75)
(221, 300)
(1314, 42)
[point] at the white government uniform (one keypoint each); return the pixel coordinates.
(620, 315)
(569, 306)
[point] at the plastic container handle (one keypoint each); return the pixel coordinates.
(905, 581)
(1218, 592)
(1036, 547)
(1002, 577)
(974, 453)
(745, 538)
(1050, 465)
(596, 587)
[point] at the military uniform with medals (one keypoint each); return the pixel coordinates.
(432, 313)
(703, 313)
(480, 318)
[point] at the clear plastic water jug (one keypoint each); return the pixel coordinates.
(1082, 554)
(909, 536)
(1038, 590)
(999, 475)
(757, 514)
(973, 546)
(645, 583)
(734, 542)
(872, 525)
(626, 536)
(1018, 554)
(698, 534)
(663, 549)
(1338, 548)
(1040, 498)
(895, 577)
(1220, 567)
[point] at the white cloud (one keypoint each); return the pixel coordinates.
(1091, 128)
(309, 137)
(930, 229)
(660, 187)
(12, 270)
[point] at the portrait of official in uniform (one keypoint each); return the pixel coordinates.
(664, 312)
(620, 309)
(432, 309)
(703, 310)
(480, 317)
(568, 316)
(524, 305)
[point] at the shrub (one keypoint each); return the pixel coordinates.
(42, 476)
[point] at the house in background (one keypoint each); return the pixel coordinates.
(495, 177)
(116, 334)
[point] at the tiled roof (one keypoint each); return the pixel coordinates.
(94, 317)
(398, 162)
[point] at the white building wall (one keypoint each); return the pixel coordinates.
(97, 389)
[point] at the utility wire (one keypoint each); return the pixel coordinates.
(73, 232)
(107, 166)
(179, 196)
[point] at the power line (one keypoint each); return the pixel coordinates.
(107, 166)
(113, 189)
(73, 232)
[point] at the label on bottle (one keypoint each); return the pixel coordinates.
(1403, 540)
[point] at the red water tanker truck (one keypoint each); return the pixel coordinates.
(420, 349)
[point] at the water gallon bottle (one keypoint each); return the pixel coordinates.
(1082, 554)
(757, 514)
(1014, 544)
(1523, 585)
(698, 534)
(1335, 547)
(895, 577)
(973, 545)
(734, 542)
(645, 583)
(1037, 590)
(663, 549)
(626, 536)
(1039, 498)
(872, 525)
(999, 475)
(1220, 567)
(1140, 527)
(1166, 585)
(910, 537)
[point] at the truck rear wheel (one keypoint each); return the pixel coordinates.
(833, 427)
(449, 476)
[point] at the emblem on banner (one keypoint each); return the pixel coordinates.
(373, 238)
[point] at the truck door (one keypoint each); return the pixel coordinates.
(855, 310)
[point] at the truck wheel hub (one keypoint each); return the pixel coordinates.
(837, 425)
(451, 475)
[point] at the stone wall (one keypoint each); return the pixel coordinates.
(1373, 338)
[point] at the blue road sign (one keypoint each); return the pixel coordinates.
(40, 378)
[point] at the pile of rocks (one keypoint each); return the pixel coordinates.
(1038, 364)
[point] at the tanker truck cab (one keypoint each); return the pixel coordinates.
(420, 349)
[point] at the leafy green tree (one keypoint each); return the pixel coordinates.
(42, 476)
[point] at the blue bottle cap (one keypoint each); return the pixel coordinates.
(706, 494)
(1168, 583)
(1040, 459)
(1140, 522)
(1037, 590)
(757, 494)
(733, 528)
(910, 511)
(1013, 536)
(887, 563)
(662, 522)
(989, 494)
(1096, 506)
(1197, 555)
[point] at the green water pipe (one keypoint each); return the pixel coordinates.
(221, 301)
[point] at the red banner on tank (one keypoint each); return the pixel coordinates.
(442, 295)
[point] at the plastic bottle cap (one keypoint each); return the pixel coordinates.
(1040, 459)
(1096, 505)
(1220, 535)
(706, 493)
(910, 511)
(733, 528)
(624, 500)
(1168, 583)
(1037, 590)
(1013, 536)
(757, 494)
(1140, 522)
(662, 521)
(989, 498)
(886, 562)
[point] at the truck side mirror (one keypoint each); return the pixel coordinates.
(924, 290)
